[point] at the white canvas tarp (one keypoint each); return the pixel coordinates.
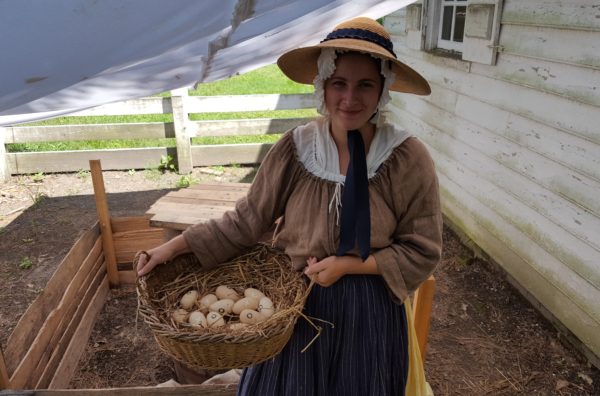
(58, 57)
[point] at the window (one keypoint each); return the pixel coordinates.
(452, 24)
(469, 29)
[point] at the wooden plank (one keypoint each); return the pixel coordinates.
(546, 76)
(213, 193)
(72, 318)
(184, 390)
(178, 222)
(507, 194)
(124, 224)
(221, 186)
(555, 190)
(104, 219)
(26, 368)
(581, 14)
(128, 243)
(76, 160)
(559, 45)
(4, 378)
(490, 233)
(240, 103)
(226, 154)
(150, 105)
(583, 119)
(4, 167)
(77, 342)
(571, 151)
(190, 200)
(261, 126)
(51, 133)
(128, 277)
(33, 319)
(138, 158)
(182, 130)
(191, 208)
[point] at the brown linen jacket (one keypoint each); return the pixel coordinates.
(406, 220)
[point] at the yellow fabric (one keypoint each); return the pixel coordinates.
(416, 384)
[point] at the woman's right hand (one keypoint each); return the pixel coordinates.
(167, 251)
(147, 260)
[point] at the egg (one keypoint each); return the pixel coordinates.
(189, 299)
(180, 315)
(224, 292)
(245, 303)
(250, 316)
(265, 307)
(214, 320)
(206, 301)
(222, 307)
(252, 292)
(197, 320)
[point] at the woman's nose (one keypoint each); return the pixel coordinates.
(350, 95)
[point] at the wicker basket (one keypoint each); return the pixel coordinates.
(223, 348)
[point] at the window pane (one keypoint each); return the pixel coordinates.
(447, 23)
(459, 24)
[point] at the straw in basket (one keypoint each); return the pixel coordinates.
(263, 268)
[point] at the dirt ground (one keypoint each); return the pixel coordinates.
(485, 338)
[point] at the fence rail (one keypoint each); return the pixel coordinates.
(180, 105)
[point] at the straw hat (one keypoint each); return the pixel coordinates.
(359, 34)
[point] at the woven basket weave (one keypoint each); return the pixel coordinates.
(263, 268)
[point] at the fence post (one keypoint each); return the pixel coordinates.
(180, 124)
(4, 172)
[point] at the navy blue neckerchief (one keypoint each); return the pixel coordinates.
(355, 224)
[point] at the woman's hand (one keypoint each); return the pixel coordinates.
(327, 271)
(158, 255)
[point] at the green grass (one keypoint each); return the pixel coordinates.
(266, 80)
(136, 143)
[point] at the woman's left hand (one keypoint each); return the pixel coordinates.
(327, 271)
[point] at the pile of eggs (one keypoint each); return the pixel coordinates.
(222, 307)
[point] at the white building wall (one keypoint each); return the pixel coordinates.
(517, 149)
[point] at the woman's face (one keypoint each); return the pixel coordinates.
(352, 92)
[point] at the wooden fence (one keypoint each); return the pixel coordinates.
(180, 105)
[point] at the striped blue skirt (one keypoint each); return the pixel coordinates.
(365, 353)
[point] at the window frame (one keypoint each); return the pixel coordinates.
(442, 44)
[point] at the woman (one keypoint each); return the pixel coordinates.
(361, 216)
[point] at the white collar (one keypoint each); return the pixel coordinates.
(318, 153)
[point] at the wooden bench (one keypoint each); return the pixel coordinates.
(177, 210)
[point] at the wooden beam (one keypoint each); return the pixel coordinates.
(127, 244)
(72, 320)
(124, 224)
(34, 318)
(182, 131)
(105, 225)
(4, 377)
(184, 390)
(25, 374)
(4, 171)
(77, 343)
(422, 303)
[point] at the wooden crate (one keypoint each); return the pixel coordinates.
(44, 348)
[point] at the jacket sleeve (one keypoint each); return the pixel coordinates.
(219, 240)
(416, 246)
